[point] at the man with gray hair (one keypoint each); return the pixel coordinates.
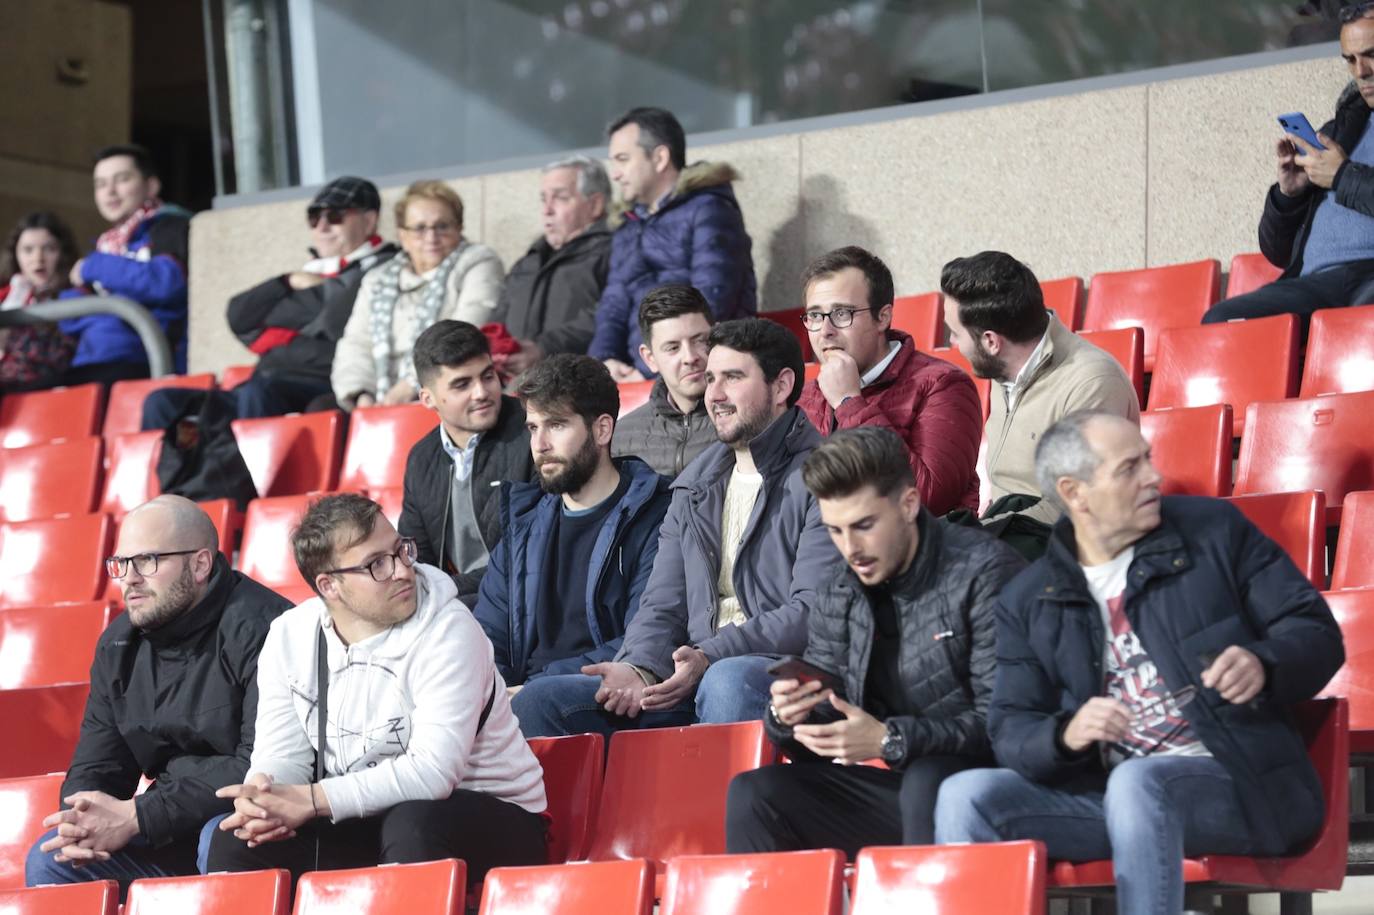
(549, 301)
(1145, 666)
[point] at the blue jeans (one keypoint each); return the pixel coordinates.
(257, 397)
(733, 689)
(133, 861)
(1155, 811)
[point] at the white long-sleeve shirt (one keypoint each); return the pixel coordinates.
(402, 714)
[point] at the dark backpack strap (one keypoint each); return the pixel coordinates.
(486, 711)
(322, 699)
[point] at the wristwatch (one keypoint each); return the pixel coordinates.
(894, 744)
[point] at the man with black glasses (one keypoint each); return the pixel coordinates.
(416, 756)
(173, 696)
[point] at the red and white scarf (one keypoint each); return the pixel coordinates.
(333, 266)
(115, 239)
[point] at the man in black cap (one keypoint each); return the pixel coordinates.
(292, 321)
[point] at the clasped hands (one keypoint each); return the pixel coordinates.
(856, 737)
(624, 692)
(268, 812)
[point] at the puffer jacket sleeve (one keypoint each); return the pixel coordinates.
(354, 371)
(659, 626)
(474, 287)
(721, 258)
(611, 340)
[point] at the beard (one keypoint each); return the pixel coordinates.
(985, 364)
(748, 426)
(167, 606)
(574, 473)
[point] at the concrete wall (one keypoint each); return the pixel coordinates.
(1113, 177)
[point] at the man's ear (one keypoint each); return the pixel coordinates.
(598, 205)
(992, 342)
(884, 318)
(648, 356)
(603, 429)
(427, 399)
(783, 385)
(1069, 490)
(661, 158)
(910, 501)
(327, 586)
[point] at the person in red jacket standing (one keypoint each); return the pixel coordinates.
(873, 375)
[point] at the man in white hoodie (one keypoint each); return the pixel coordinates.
(422, 757)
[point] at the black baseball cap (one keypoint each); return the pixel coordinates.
(347, 193)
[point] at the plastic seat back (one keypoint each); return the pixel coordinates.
(232, 376)
(791, 318)
(1127, 346)
(1324, 443)
(1003, 877)
(131, 472)
(379, 441)
(1249, 272)
(24, 802)
(586, 888)
(1295, 521)
(266, 555)
(633, 395)
(98, 897)
(1235, 363)
(1191, 448)
(797, 882)
(952, 355)
(391, 499)
(48, 480)
(42, 725)
(45, 646)
(431, 888)
(664, 793)
(1354, 563)
(53, 561)
(228, 521)
(248, 893)
(1340, 352)
(1176, 295)
(291, 455)
(1354, 611)
(573, 768)
(922, 316)
(45, 416)
(1064, 297)
(124, 415)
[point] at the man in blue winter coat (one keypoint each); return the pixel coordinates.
(142, 256)
(679, 224)
(578, 546)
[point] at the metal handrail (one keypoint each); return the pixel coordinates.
(127, 310)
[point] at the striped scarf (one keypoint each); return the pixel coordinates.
(384, 296)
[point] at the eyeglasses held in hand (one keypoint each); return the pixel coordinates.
(144, 564)
(384, 566)
(332, 215)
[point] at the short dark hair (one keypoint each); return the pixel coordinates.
(330, 526)
(773, 347)
(446, 344)
(879, 278)
(657, 127)
(671, 301)
(996, 292)
(143, 160)
(68, 253)
(573, 382)
(850, 459)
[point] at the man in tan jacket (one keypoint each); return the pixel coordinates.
(997, 319)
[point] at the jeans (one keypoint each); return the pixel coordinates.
(1155, 811)
(733, 689)
(257, 397)
(133, 861)
(1334, 287)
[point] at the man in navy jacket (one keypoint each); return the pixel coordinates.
(1145, 666)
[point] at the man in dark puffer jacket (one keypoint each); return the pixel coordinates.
(909, 633)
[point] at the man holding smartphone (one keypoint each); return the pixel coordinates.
(1318, 221)
(908, 632)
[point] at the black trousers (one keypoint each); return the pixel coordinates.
(796, 806)
(482, 830)
(1335, 287)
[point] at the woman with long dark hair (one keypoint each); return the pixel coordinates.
(37, 257)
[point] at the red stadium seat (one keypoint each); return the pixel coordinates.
(124, 415)
(797, 882)
(603, 888)
(55, 561)
(228, 522)
(1152, 299)
(379, 441)
(431, 888)
(1295, 521)
(1003, 877)
(1235, 363)
(1354, 563)
(811, 371)
(633, 395)
(48, 480)
(291, 455)
(234, 375)
(1324, 724)
(1064, 297)
(1248, 273)
(922, 316)
(24, 802)
(1340, 352)
(391, 500)
(266, 555)
(573, 768)
(45, 646)
(40, 726)
(954, 357)
(1191, 448)
(98, 897)
(248, 893)
(1324, 443)
(131, 472)
(45, 416)
(1127, 346)
(791, 318)
(1354, 610)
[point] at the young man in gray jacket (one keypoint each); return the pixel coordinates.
(740, 556)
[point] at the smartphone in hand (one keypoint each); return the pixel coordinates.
(806, 672)
(1296, 123)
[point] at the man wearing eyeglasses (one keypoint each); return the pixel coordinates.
(873, 375)
(173, 696)
(1318, 221)
(417, 755)
(293, 321)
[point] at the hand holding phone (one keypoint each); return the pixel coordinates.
(1296, 124)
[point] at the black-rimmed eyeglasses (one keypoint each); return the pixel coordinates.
(384, 566)
(839, 318)
(144, 564)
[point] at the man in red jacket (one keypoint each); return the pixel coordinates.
(872, 375)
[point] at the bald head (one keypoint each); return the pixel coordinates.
(180, 518)
(170, 545)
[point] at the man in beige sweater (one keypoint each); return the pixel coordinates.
(1043, 371)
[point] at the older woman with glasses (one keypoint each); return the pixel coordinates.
(439, 275)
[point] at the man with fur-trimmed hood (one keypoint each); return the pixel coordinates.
(678, 224)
